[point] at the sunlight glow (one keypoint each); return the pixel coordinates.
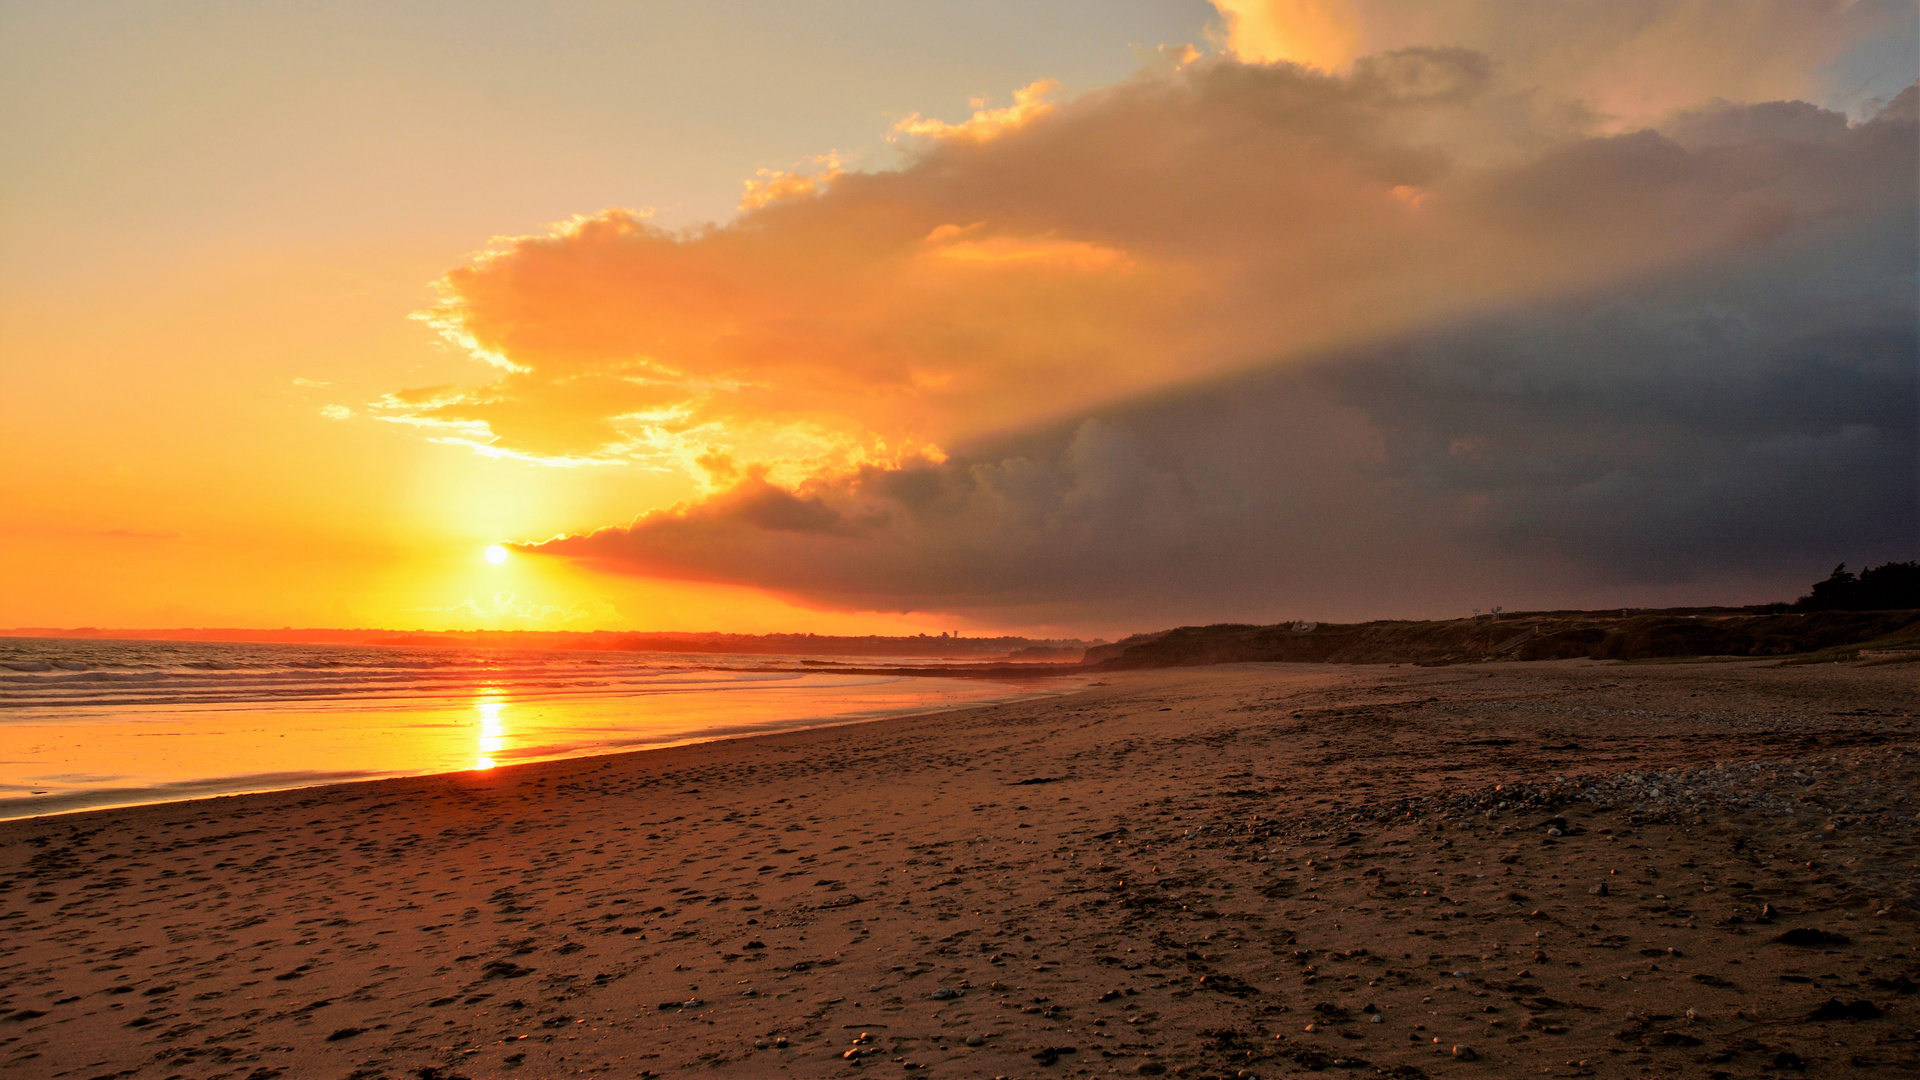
(492, 731)
(496, 554)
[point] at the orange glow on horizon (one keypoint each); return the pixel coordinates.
(404, 314)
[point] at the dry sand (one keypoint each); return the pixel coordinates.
(1238, 871)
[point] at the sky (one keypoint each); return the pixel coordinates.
(848, 317)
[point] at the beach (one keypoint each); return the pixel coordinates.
(1562, 868)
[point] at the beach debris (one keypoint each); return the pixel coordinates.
(860, 1047)
(1835, 1009)
(1050, 1054)
(1227, 984)
(1670, 1038)
(1808, 937)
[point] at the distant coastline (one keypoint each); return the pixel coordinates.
(929, 646)
(1876, 611)
(1763, 631)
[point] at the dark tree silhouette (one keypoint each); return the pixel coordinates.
(1889, 586)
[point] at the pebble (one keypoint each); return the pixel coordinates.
(945, 993)
(1599, 889)
(976, 1040)
(1465, 1053)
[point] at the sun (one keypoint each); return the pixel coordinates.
(496, 554)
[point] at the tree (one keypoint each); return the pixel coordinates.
(1888, 586)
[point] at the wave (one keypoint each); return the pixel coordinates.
(93, 723)
(53, 673)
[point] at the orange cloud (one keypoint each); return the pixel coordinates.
(771, 185)
(948, 242)
(1324, 34)
(1029, 102)
(1049, 258)
(823, 370)
(1629, 60)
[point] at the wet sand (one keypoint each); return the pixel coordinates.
(1252, 870)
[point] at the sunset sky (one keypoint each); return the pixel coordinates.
(1084, 316)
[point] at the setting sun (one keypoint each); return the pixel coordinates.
(496, 554)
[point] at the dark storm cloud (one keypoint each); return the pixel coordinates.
(1720, 429)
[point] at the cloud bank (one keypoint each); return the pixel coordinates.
(1628, 62)
(1234, 339)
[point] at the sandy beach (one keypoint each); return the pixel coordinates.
(1561, 868)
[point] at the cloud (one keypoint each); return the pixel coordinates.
(1234, 335)
(1629, 60)
(772, 185)
(1186, 223)
(1714, 432)
(1028, 102)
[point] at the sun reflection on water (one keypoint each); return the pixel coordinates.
(493, 730)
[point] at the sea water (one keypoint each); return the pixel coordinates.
(88, 723)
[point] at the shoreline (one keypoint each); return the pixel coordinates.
(1191, 872)
(219, 788)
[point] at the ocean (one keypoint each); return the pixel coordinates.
(88, 723)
